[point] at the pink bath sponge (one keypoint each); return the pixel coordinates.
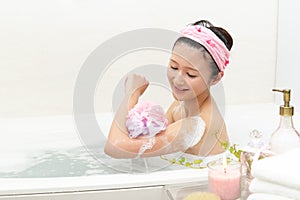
(146, 119)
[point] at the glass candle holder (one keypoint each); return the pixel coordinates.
(224, 179)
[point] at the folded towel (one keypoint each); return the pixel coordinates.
(262, 196)
(260, 186)
(282, 169)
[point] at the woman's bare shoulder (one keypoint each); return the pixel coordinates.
(171, 110)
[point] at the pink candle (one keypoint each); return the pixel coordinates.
(225, 179)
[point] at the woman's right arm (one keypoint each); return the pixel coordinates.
(177, 137)
(173, 139)
(135, 85)
(120, 145)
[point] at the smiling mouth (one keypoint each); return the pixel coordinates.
(180, 89)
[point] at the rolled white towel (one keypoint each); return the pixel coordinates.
(282, 169)
(260, 186)
(263, 196)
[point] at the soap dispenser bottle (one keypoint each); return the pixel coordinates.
(285, 137)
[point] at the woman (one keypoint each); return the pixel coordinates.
(195, 125)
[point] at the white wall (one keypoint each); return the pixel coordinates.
(44, 44)
(288, 67)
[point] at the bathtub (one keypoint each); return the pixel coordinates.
(43, 158)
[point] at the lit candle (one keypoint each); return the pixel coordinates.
(225, 179)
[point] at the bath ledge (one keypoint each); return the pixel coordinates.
(20, 186)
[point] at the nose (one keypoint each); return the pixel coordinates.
(178, 79)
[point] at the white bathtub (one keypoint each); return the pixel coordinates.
(23, 139)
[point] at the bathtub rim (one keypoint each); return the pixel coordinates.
(25, 186)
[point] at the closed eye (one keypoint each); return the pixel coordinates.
(172, 67)
(191, 76)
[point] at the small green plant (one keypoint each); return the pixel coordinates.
(231, 148)
(195, 164)
(236, 152)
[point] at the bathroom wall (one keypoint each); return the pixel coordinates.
(288, 67)
(45, 43)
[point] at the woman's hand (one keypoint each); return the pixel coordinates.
(135, 84)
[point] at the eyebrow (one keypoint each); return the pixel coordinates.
(190, 68)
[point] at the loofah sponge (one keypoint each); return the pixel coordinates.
(202, 196)
(146, 118)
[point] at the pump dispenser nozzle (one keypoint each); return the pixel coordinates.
(286, 109)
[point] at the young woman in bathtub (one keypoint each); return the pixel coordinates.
(195, 125)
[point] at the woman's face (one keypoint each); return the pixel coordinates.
(188, 72)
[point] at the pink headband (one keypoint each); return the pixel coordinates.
(210, 41)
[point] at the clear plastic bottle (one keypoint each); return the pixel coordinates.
(285, 137)
(255, 149)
